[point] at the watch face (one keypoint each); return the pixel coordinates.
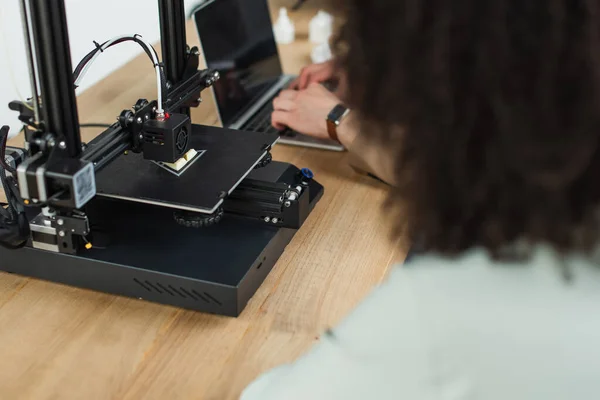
(337, 113)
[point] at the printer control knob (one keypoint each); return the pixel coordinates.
(306, 175)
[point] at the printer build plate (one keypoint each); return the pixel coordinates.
(227, 157)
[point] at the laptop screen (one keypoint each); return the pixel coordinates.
(237, 40)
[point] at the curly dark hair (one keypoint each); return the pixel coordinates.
(493, 107)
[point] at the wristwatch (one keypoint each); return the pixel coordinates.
(334, 119)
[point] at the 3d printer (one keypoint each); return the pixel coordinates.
(155, 207)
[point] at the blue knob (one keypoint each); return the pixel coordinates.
(307, 173)
(306, 176)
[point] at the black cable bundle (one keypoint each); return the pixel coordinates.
(14, 226)
(98, 48)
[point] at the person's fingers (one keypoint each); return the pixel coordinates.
(304, 79)
(280, 104)
(295, 84)
(313, 73)
(288, 94)
(280, 119)
(320, 76)
(316, 89)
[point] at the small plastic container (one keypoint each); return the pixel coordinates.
(321, 53)
(284, 30)
(320, 27)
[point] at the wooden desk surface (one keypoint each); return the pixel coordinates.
(59, 342)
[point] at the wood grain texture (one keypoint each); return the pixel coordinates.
(59, 342)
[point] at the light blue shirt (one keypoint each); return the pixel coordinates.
(468, 328)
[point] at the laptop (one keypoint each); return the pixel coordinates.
(237, 40)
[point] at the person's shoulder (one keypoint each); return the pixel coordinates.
(404, 297)
(477, 263)
(475, 275)
(427, 269)
(433, 287)
(475, 258)
(430, 303)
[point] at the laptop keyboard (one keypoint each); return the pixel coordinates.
(261, 122)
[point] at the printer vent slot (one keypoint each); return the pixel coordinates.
(142, 285)
(213, 299)
(182, 292)
(200, 296)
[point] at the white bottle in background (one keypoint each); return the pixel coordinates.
(284, 29)
(321, 53)
(320, 27)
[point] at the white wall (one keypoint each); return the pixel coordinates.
(88, 21)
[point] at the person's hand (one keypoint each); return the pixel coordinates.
(304, 111)
(314, 73)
